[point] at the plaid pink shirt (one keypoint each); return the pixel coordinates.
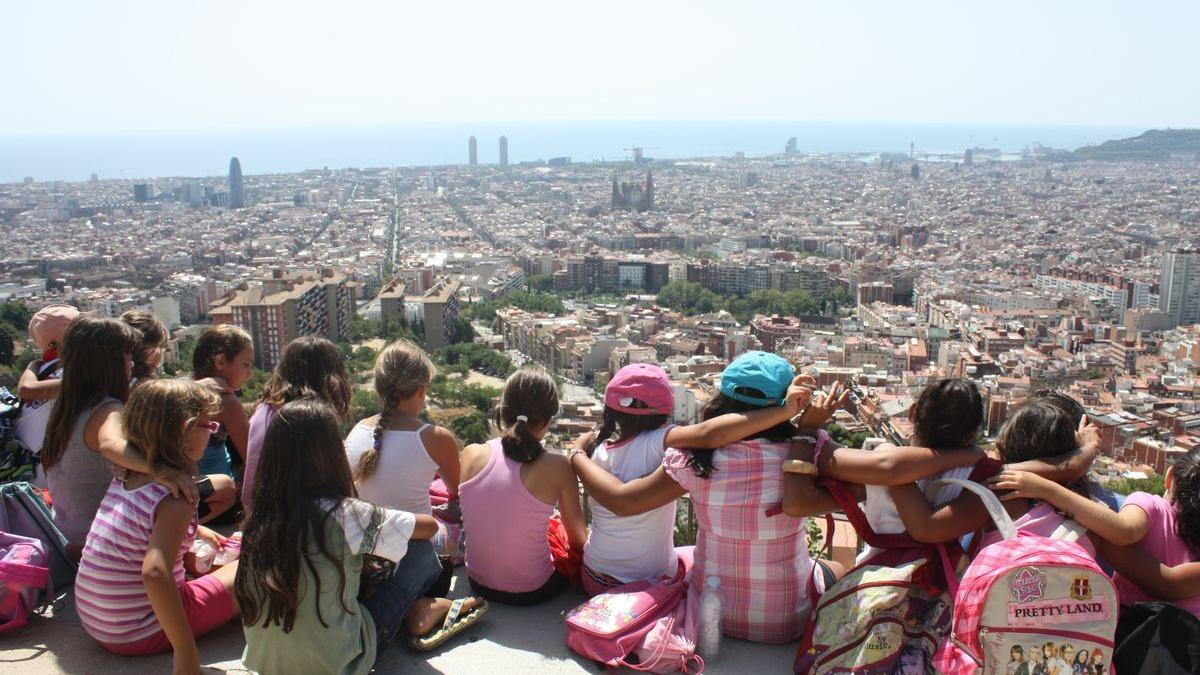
(762, 560)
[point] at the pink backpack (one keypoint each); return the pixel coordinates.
(24, 572)
(655, 621)
(1026, 594)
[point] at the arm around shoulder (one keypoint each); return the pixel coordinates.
(442, 447)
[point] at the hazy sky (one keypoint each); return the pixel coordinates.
(88, 66)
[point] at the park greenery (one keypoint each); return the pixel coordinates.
(485, 310)
(691, 298)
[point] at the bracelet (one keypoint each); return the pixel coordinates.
(799, 466)
(573, 452)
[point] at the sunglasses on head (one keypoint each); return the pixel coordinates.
(210, 426)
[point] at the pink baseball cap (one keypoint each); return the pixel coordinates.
(643, 382)
(50, 323)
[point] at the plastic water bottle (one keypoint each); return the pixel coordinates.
(229, 551)
(204, 553)
(708, 638)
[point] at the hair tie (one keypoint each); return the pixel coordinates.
(522, 418)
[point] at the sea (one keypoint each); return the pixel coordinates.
(75, 157)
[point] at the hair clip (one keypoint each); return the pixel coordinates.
(522, 418)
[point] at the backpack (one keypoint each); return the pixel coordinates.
(1157, 637)
(643, 625)
(1027, 592)
(23, 574)
(24, 512)
(890, 613)
(16, 461)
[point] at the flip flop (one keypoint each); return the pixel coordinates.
(455, 623)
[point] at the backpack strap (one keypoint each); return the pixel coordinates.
(849, 504)
(995, 509)
(1068, 530)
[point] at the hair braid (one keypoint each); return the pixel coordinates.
(369, 462)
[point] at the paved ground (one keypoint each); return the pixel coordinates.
(507, 640)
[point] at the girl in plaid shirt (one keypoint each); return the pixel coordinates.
(759, 553)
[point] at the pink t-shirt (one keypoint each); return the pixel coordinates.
(1161, 543)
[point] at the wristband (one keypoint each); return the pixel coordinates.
(799, 466)
(573, 452)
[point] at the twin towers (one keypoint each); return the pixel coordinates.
(473, 151)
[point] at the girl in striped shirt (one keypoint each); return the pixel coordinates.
(131, 593)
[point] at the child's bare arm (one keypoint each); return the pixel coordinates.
(625, 499)
(892, 465)
(170, 524)
(1181, 582)
(237, 423)
(801, 496)
(1121, 528)
(30, 388)
(929, 525)
(443, 448)
(570, 507)
(733, 427)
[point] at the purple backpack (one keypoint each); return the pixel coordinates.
(23, 574)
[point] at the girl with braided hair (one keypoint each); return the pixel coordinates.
(395, 455)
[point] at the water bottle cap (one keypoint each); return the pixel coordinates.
(713, 582)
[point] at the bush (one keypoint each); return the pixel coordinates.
(471, 428)
(1154, 484)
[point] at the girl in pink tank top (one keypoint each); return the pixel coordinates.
(519, 553)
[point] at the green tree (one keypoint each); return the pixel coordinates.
(15, 314)
(252, 389)
(7, 348)
(846, 438)
(471, 428)
(1154, 484)
(543, 283)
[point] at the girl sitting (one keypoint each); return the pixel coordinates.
(131, 592)
(84, 432)
(1036, 430)
(759, 554)
(306, 606)
(396, 455)
(1167, 529)
(510, 486)
(630, 443)
(223, 361)
(311, 367)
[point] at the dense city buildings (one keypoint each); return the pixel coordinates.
(1020, 273)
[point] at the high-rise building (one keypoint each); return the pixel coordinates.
(790, 149)
(968, 157)
(237, 191)
(504, 151)
(143, 192)
(472, 151)
(916, 171)
(1179, 287)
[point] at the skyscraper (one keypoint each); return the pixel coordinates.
(1179, 287)
(237, 191)
(473, 151)
(916, 171)
(790, 148)
(504, 151)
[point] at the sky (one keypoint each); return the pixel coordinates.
(87, 67)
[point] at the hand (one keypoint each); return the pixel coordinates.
(974, 456)
(583, 441)
(822, 409)
(181, 484)
(213, 538)
(186, 662)
(1021, 485)
(1087, 437)
(799, 394)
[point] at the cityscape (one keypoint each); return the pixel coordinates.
(1043, 270)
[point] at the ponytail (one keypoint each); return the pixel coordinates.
(608, 426)
(519, 443)
(369, 461)
(529, 401)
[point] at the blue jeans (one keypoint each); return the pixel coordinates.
(412, 578)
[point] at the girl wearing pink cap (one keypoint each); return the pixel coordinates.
(631, 442)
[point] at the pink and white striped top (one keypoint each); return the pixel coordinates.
(109, 594)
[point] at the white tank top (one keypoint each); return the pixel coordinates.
(637, 547)
(405, 470)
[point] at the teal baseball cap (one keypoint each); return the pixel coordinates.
(770, 374)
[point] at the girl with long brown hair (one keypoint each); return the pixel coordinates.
(84, 433)
(311, 367)
(300, 575)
